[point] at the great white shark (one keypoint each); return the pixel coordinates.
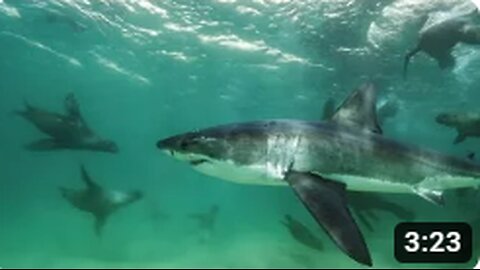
(321, 161)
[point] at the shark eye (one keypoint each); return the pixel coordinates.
(188, 143)
(184, 144)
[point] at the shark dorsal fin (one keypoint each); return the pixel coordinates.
(91, 185)
(359, 110)
(328, 109)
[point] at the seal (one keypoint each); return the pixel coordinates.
(65, 131)
(206, 221)
(98, 201)
(466, 124)
(439, 39)
(301, 233)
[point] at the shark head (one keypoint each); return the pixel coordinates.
(235, 152)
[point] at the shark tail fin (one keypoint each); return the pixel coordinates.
(407, 59)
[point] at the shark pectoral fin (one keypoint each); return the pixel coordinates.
(44, 145)
(359, 110)
(326, 201)
(460, 138)
(433, 196)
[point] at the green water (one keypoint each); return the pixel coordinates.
(144, 70)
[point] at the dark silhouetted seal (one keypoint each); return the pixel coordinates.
(98, 201)
(466, 124)
(65, 131)
(301, 233)
(439, 39)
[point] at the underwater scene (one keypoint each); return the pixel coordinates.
(235, 133)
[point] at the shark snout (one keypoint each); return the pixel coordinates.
(162, 144)
(172, 144)
(167, 143)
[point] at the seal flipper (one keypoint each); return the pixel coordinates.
(406, 61)
(460, 138)
(326, 201)
(359, 110)
(91, 185)
(446, 61)
(72, 108)
(100, 220)
(44, 145)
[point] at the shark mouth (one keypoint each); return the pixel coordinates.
(198, 162)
